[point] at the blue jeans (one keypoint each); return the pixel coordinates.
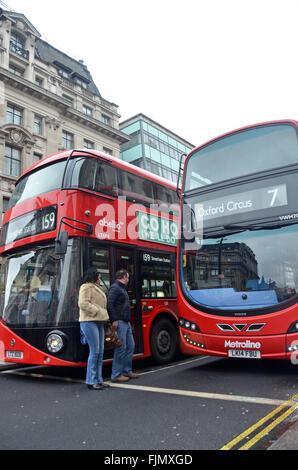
(122, 362)
(94, 333)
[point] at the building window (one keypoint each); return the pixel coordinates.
(88, 144)
(81, 82)
(107, 151)
(17, 45)
(106, 119)
(14, 115)
(67, 140)
(88, 111)
(12, 161)
(36, 158)
(39, 81)
(16, 70)
(68, 99)
(64, 73)
(37, 125)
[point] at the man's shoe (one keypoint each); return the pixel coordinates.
(132, 375)
(120, 379)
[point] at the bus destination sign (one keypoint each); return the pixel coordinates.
(34, 223)
(254, 200)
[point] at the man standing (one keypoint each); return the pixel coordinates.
(119, 313)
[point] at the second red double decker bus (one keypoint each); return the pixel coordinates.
(238, 256)
(71, 211)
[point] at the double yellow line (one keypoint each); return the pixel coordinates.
(287, 404)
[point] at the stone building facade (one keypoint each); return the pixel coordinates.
(48, 103)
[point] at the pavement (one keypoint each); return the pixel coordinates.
(287, 441)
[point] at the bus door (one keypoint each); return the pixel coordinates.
(126, 259)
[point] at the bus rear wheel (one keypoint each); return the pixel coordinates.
(164, 341)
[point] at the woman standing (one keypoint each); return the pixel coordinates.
(93, 315)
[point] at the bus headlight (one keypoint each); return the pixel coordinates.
(293, 327)
(188, 325)
(55, 342)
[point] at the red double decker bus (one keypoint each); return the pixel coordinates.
(238, 255)
(74, 210)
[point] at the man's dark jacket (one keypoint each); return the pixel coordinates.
(118, 302)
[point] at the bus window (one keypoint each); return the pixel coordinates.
(92, 174)
(166, 199)
(242, 153)
(84, 171)
(157, 275)
(99, 258)
(135, 188)
(106, 179)
(42, 181)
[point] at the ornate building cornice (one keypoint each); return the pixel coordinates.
(30, 88)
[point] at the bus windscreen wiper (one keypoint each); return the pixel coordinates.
(244, 227)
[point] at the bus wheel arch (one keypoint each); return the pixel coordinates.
(164, 338)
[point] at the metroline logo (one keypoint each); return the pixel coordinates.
(245, 345)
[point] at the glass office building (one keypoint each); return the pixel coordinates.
(153, 147)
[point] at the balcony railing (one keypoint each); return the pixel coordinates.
(19, 50)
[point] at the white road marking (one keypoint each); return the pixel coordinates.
(212, 396)
(169, 391)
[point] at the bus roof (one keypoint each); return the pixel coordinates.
(94, 153)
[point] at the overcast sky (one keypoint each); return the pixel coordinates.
(198, 67)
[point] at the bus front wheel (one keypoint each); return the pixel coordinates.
(164, 341)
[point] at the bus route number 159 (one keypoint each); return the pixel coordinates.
(48, 221)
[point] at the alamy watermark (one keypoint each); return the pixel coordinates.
(158, 222)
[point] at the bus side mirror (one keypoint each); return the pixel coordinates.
(61, 243)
